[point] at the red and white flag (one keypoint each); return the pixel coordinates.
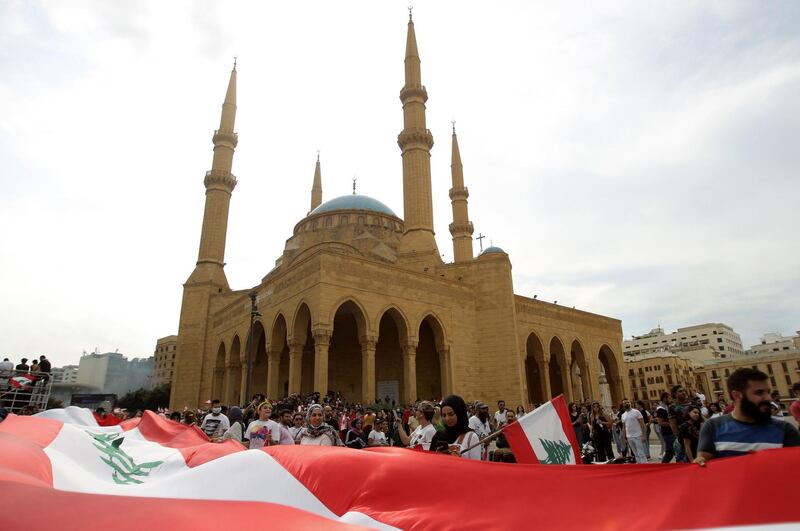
(22, 381)
(62, 471)
(545, 435)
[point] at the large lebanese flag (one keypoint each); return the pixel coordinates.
(62, 471)
(545, 435)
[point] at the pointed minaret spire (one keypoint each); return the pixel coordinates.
(461, 228)
(415, 141)
(316, 188)
(219, 183)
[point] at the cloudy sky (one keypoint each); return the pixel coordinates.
(638, 160)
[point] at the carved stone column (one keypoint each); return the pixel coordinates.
(273, 373)
(445, 369)
(409, 372)
(566, 380)
(295, 367)
(243, 385)
(322, 341)
(368, 369)
(544, 376)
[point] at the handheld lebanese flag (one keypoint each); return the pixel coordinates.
(21, 382)
(544, 435)
(60, 470)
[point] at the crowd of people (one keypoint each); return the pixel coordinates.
(687, 427)
(39, 368)
(449, 426)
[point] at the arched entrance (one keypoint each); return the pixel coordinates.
(302, 335)
(280, 348)
(233, 376)
(534, 359)
(430, 363)
(610, 375)
(344, 352)
(389, 380)
(219, 374)
(558, 370)
(259, 381)
(579, 371)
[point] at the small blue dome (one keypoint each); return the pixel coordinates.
(353, 202)
(492, 249)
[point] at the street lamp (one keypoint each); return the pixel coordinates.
(253, 314)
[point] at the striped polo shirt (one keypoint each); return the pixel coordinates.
(725, 436)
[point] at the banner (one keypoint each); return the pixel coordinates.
(62, 471)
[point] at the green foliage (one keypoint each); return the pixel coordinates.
(146, 399)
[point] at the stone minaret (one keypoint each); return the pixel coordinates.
(415, 141)
(316, 189)
(193, 364)
(219, 183)
(461, 227)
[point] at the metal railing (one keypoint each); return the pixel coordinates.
(21, 389)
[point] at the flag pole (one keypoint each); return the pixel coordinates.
(488, 438)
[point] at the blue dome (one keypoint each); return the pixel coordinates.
(492, 249)
(353, 202)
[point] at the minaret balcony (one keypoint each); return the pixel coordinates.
(421, 137)
(225, 137)
(218, 178)
(457, 229)
(459, 193)
(414, 92)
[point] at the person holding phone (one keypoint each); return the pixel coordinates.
(423, 434)
(457, 435)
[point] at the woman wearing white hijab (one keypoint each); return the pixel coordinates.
(317, 432)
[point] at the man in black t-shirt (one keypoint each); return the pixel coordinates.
(662, 416)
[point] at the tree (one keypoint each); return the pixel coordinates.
(146, 399)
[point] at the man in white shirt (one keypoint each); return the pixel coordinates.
(479, 422)
(6, 366)
(216, 422)
(501, 415)
(423, 434)
(376, 436)
(634, 431)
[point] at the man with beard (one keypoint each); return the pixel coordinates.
(750, 426)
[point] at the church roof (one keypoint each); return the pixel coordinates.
(353, 202)
(493, 249)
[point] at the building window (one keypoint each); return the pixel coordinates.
(769, 368)
(719, 340)
(784, 367)
(773, 382)
(788, 379)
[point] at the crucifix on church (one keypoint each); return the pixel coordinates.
(480, 240)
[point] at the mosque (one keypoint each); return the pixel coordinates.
(360, 301)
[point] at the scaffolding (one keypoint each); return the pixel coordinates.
(21, 389)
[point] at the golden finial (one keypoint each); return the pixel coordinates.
(354, 185)
(410, 9)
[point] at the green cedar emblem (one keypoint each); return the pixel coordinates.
(558, 452)
(125, 468)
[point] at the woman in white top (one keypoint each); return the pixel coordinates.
(317, 432)
(263, 432)
(457, 435)
(376, 436)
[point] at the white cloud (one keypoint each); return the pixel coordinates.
(635, 159)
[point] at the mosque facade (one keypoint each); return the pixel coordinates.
(360, 301)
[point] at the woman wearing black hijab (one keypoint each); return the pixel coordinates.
(457, 435)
